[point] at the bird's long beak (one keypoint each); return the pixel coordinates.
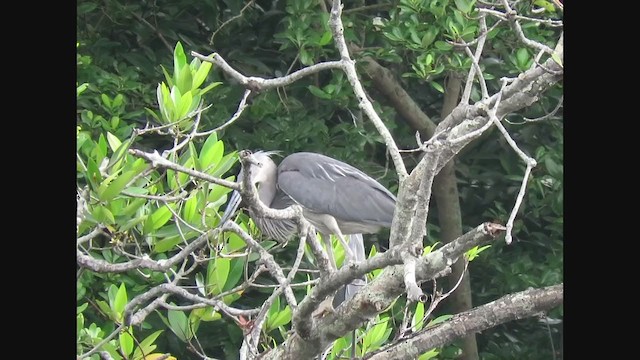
(232, 206)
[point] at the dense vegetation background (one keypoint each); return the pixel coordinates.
(123, 48)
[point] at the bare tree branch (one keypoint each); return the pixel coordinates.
(508, 308)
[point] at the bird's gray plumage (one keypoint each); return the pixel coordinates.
(336, 198)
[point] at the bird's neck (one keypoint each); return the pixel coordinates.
(267, 189)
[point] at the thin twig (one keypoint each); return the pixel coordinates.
(233, 18)
(476, 67)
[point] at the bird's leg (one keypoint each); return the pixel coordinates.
(326, 239)
(350, 257)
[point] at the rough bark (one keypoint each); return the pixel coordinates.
(445, 183)
(445, 191)
(508, 308)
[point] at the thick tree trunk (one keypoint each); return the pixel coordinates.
(445, 192)
(445, 183)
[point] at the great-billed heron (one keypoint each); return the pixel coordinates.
(336, 199)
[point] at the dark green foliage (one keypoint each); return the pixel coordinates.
(123, 45)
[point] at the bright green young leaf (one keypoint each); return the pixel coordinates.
(376, 335)
(210, 314)
(429, 355)
(126, 341)
(106, 100)
(79, 325)
(325, 39)
(522, 55)
(179, 60)
(101, 149)
(209, 87)
(117, 101)
(181, 177)
(193, 154)
(224, 164)
(81, 308)
(146, 346)
(440, 319)
(184, 80)
(208, 153)
(201, 74)
(120, 301)
(417, 322)
(274, 308)
(111, 349)
(81, 88)
(339, 346)
(281, 318)
(437, 86)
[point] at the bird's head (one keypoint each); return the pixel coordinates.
(263, 171)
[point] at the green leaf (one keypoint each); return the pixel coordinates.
(167, 76)
(81, 308)
(79, 325)
(189, 211)
(429, 37)
(167, 244)
(157, 219)
(221, 273)
(207, 314)
(235, 273)
(179, 324)
(105, 100)
(464, 5)
(440, 319)
(318, 92)
(437, 86)
(209, 87)
(115, 187)
(376, 335)
(184, 80)
(417, 322)
(556, 58)
(224, 164)
(81, 88)
(179, 60)
(120, 301)
(117, 101)
(522, 56)
(201, 74)
(545, 4)
(325, 39)
(211, 151)
(184, 106)
(126, 342)
(429, 354)
(443, 46)
(146, 346)
(133, 206)
(103, 215)
(281, 318)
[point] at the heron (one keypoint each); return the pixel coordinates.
(336, 198)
